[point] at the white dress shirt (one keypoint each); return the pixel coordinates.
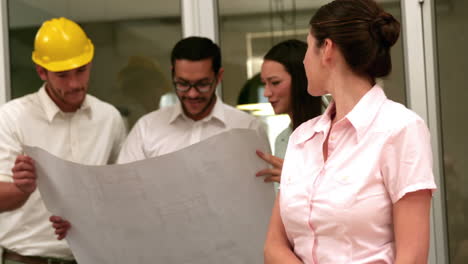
(92, 135)
(169, 129)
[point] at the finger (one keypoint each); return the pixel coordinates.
(272, 179)
(24, 175)
(61, 225)
(61, 236)
(58, 222)
(269, 172)
(273, 160)
(29, 183)
(61, 230)
(23, 158)
(277, 162)
(55, 218)
(23, 166)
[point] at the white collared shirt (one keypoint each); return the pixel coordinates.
(169, 129)
(92, 135)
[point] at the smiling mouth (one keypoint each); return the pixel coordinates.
(74, 92)
(194, 102)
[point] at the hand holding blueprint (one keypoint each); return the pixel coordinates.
(200, 205)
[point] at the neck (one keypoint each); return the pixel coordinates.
(347, 90)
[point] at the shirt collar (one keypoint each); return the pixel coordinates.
(364, 112)
(309, 128)
(360, 117)
(51, 109)
(216, 113)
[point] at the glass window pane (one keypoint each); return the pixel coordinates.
(246, 34)
(131, 66)
(452, 40)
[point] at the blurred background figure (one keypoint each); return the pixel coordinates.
(285, 81)
(144, 88)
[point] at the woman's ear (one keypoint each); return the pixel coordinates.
(327, 51)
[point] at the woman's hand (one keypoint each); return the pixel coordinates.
(272, 174)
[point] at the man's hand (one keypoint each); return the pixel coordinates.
(60, 225)
(24, 174)
(273, 174)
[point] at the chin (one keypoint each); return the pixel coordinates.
(314, 92)
(279, 111)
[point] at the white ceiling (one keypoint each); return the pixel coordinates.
(33, 12)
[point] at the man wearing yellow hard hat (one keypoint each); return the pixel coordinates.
(61, 118)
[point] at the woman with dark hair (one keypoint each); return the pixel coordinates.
(357, 181)
(285, 81)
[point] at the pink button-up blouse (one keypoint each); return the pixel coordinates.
(340, 211)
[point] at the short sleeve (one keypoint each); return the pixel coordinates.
(406, 162)
(133, 146)
(10, 146)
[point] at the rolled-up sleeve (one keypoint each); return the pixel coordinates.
(10, 146)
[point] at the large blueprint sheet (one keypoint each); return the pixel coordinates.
(199, 205)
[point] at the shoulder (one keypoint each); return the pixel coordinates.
(105, 112)
(394, 117)
(233, 114)
(158, 118)
(101, 107)
(14, 109)
(305, 127)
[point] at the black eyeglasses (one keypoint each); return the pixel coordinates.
(201, 87)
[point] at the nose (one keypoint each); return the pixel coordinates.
(74, 82)
(267, 92)
(192, 92)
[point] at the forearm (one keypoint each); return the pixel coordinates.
(411, 227)
(277, 247)
(11, 197)
(410, 260)
(417, 253)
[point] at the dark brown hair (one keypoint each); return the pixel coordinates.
(195, 49)
(290, 54)
(362, 30)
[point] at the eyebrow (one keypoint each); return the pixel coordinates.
(197, 81)
(272, 77)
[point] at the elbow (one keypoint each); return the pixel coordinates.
(413, 257)
(268, 253)
(274, 252)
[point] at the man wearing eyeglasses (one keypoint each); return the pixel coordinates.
(196, 71)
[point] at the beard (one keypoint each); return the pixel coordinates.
(209, 102)
(61, 95)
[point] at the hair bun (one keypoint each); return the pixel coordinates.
(385, 28)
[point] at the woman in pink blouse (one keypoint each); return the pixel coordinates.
(357, 181)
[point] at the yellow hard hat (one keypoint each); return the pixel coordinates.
(62, 45)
